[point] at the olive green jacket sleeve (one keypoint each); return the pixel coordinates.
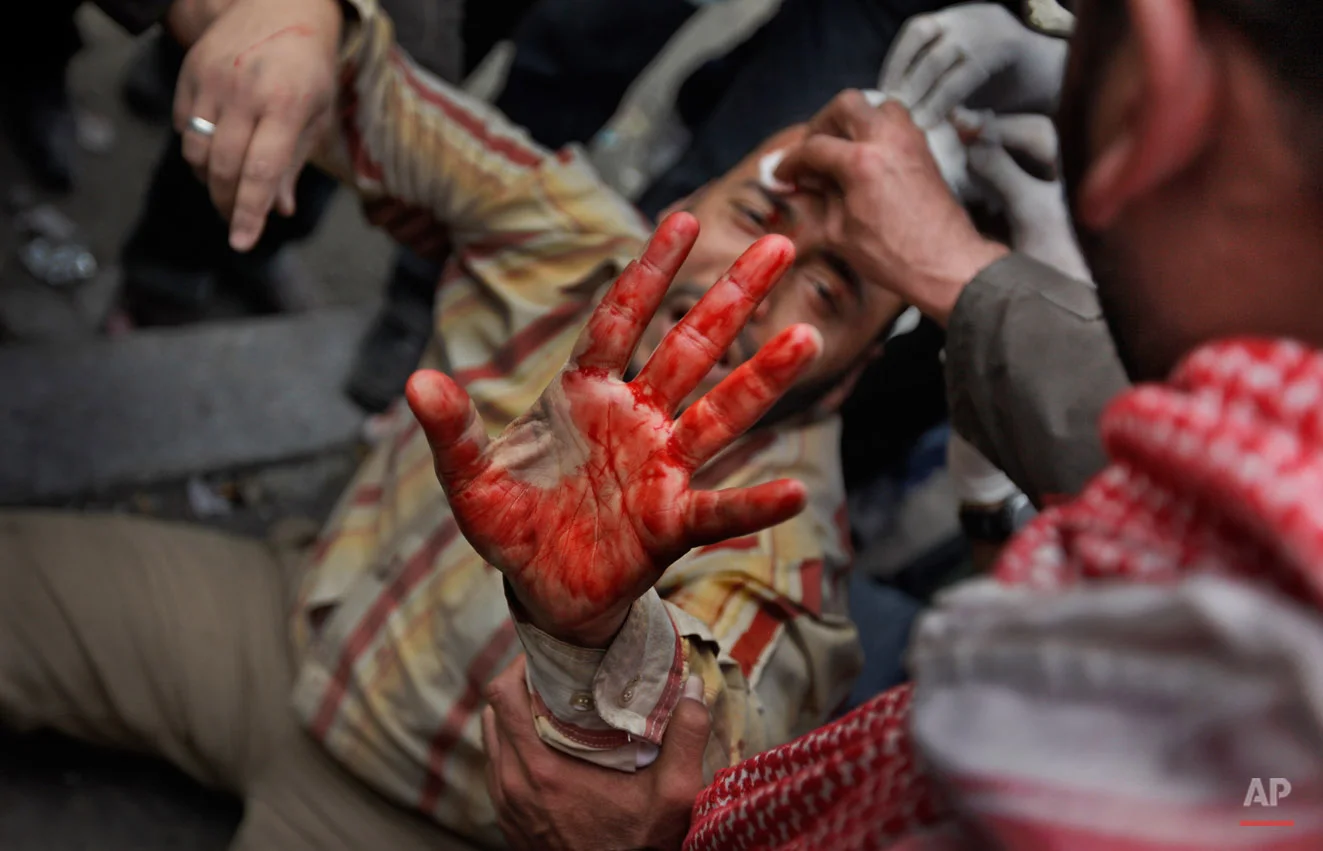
(1030, 366)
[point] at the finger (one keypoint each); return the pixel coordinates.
(286, 203)
(608, 341)
(453, 428)
(953, 89)
(286, 195)
(995, 165)
(715, 516)
(935, 64)
(736, 404)
(816, 158)
(491, 744)
(686, 738)
(234, 132)
(701, 338)
(513, 706)
(846, 116)
(270, 156)
(915, 38)
(971, 124)
(508, 692)
(1033, 136)
(196, 146)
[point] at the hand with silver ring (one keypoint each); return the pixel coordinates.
(201, 126)
(264, 76)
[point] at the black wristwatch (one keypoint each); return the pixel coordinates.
(996, 523)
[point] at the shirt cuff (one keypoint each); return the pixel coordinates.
(609, 706)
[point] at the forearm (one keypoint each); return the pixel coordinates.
(408, 137)
(1030, 366)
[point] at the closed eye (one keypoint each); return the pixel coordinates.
(750, 216)
(827, 297)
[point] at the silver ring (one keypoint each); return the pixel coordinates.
(201, 126)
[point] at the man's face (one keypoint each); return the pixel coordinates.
(819, 289)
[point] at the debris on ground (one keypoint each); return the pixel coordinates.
(49, 246)
(205, 502)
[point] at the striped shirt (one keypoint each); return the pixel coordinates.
(399, 624)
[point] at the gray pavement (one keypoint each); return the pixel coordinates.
(84, 416)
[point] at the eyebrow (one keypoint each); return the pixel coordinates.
(784, 210)
(853, 282)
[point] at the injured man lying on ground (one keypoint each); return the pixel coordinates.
(640, 452)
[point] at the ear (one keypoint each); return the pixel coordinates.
(1162, 121)
(836, 397)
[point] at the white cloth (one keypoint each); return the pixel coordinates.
(1139, 710)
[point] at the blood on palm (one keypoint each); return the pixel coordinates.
(596, 536)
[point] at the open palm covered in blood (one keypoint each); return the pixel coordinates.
(585, 500)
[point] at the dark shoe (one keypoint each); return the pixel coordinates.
(160, 295)
(41, 123)
(389, 354)
(282, 284)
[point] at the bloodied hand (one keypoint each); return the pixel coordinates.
(586, 499)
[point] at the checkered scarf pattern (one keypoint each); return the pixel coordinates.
(1218, 471)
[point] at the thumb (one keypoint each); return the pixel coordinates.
(1031, 136)
(453, 428)
(995, 165)
(817, 158)
(687, 732)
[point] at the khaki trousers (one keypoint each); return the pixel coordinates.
(173, 641)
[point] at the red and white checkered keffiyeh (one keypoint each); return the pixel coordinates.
(1217, 473)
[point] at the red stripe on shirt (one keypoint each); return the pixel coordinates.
(810, 581)
(842, 518)
(418, 567)
(481, 670)
(368, 495)
(510, 149)
(359, 157)
(518, 348)
(756, 639)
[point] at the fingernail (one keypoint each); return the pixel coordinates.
(242, 239)
(693, 688)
